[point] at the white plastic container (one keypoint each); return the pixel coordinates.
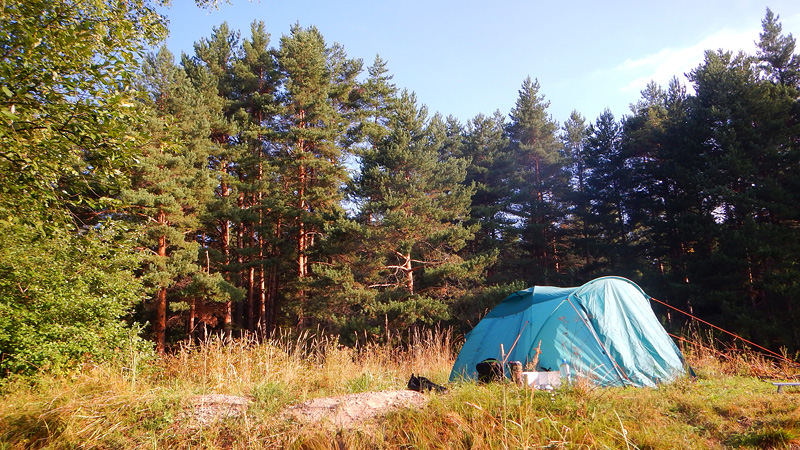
(542, 380)
(566, 372)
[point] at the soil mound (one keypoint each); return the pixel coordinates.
(345, 411)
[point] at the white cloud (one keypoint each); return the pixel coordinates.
(665, 64)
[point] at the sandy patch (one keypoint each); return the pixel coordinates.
(345, 411)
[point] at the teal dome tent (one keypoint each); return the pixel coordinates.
(604, 329)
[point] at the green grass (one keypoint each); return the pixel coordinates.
(111, 406)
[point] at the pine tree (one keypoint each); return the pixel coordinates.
(317, 81)
(538, 172)
(211, 73)
(414, 215)
(171, 185)
(261, 201)
(745, 131)
(376, 104)
(776, 53)
(343, 277)
(641, 138)
(574, 135)
(379, 93)
(373, 101)
(669, 174)
(605, 191)
(485, 145)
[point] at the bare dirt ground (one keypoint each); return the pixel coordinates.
(344, 411)
(347, 411)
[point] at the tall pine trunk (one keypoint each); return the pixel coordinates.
(160, 323)
(225, 233)
(302, 233)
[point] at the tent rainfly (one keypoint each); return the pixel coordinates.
(605, 330)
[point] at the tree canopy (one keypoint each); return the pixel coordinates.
(254, 185)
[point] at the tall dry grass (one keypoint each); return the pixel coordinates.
(313, 360)
(139, 402)
(143, 402)
(715, 358)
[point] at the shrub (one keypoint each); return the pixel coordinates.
(63, 298)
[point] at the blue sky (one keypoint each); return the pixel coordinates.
(468, 57)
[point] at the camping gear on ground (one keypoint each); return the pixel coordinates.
(515, 368)
(781, 385)
(564, 371)
(422, 384)
(488, 370)
(542, 380)
(605, 329)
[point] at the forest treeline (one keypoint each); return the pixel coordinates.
(257, 184)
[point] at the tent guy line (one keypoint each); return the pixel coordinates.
(772, 353)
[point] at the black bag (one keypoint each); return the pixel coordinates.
(422, 384)
(489, 370)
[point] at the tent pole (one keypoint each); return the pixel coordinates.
(515, 340)
(617, 368)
